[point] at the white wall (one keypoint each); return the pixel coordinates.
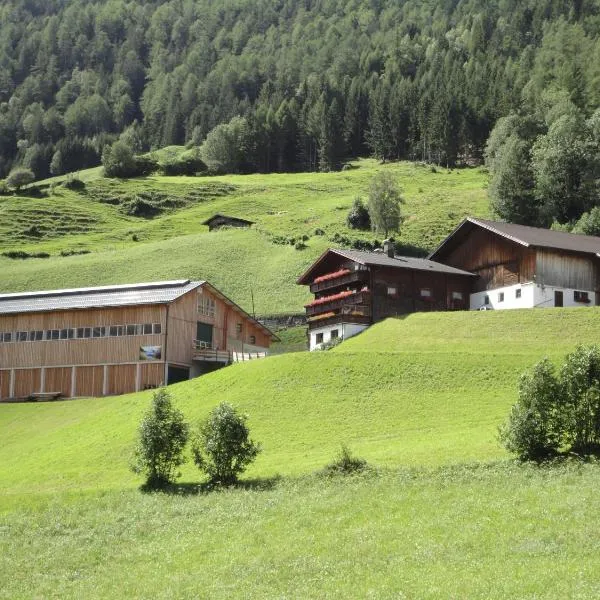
(532, 296)
(345, 331)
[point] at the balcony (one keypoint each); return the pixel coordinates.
(204, 352)
(359, 317)
(337, 301)
(340, 278)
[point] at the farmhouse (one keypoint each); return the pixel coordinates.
(523, 267)
(480, 265)
(118, 339)
(355, 289)
(217, 221)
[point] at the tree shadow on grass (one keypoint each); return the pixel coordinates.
(199, 489)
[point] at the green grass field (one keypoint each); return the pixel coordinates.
(445, 514)
(176, 244)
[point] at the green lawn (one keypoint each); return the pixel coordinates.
(447, 514)
(175, 244)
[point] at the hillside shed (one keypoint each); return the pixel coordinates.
(117, 339)
(217, 221)
(523, 267)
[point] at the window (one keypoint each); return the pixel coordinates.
(319, 338)
(99, 332)
(147, 328)
(130, 329)
(156, 329)
(71, 333)
(21, 336)
(486, 300)
(238, 328)
(392, 291)
(335, 334)
(518, 293)
(8, 337)
(31, 336)
(457, 296)
(581, 296)
(425, 293)
(84, 332)
(253, 340)
(500, 296)
(206, 306)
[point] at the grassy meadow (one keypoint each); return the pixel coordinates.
(443, 513)
(174, 244)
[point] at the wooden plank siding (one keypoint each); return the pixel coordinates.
(151, 375)
(567, 270)
(58, 380)
(498, 261)
(4, 384)
(89, 381)
(121, 379)
(27, 382)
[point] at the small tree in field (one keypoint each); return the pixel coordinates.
(222, 447)
(163, 434)
(384, 203)
(358, 217)
(19, 177)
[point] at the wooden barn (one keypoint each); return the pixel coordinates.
(355, 289)
(218, 221)
(523, 267)
(118, 339)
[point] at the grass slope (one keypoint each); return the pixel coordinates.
(418, 397)
(429, 389)
(176, 243)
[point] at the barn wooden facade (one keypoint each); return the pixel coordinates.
(119, 339)
(355, 289)
(524, 267)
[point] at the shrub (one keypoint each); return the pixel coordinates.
(139, 206)
(222, 447)
(74, 183)
(532, 430)
(188, 163)
(118, 160)
(358, 217)
(19, 177)
(345, 463)
(300, 246)
(163, 434)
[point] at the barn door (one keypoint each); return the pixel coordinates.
(558, 298)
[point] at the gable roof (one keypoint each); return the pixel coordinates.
(533, 237)
(157, 292)
(222, 216)
(381, 259)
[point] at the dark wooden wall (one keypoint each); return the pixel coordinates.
(497, 261)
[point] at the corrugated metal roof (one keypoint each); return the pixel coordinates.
(400, 262)
(530, 236)
(160, 292)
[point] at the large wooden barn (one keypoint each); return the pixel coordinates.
(523, 267)
(118, 339)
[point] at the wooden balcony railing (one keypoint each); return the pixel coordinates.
(330, 284)
(362, 297)
(205, 352)
(338, 319)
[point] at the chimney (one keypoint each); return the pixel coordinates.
(388, 248)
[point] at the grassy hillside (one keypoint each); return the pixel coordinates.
(420, 398)
(174, 243)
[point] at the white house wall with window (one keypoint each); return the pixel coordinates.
(319, 337)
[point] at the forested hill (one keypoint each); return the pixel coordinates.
(316, 81)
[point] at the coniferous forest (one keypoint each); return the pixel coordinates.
(305, 85)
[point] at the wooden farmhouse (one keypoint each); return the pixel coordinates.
(355, 289)
(217, 221)
(119, 339)
(481, 265)
(523, 267)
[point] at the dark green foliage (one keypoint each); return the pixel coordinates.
(119, 160)
(589, 223)
(397, 79)
(358, 217)
(22, 254)
(384, 203)
(162, 436)
(74, 183)
(222, 447)
(345, 463)
(188, 163)
(557, 413)
(19, 177)
(74, 252)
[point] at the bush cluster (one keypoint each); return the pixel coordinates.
(557, 413)
(358, 217)
(188, 163)
(21, 254)
(221, 446)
